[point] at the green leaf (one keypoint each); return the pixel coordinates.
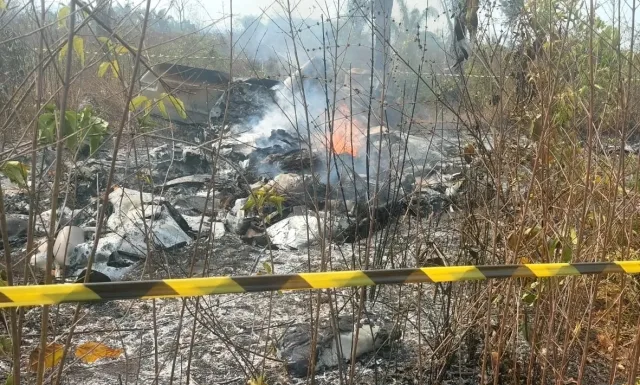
(70, 129)
(71, 125)
(16, 172)
(529, 298)
(574, 236)
(147, 107)
(94, 144)
(249, 204)
(261, 199)
(552, 245)
(177, 104)
(260, 380)
(63, 15)
(145, 122)
(115, 69)
(120, 49)
(5, 345)
(267, 267)
(98, 125)
(102, 69)
(137, 102)
(86, 112)
(10, 378)
(567, 253)
(78, 48)
(107, 43)
(46, 127)
(163, 109)
(277, 201)
(63, 51)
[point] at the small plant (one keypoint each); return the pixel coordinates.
(78, 127)
(264, 197)
(17, 173)
(147, 105)
(259, 380)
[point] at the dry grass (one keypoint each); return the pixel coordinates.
(548, 182)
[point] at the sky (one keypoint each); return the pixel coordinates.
(206, 10)
(305, 8)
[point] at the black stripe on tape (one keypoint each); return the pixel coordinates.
(598, 268)
(505, 271)
(382, 277)
(5, 299)
(131, 290)
(271, 282)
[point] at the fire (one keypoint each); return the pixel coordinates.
(346, 133)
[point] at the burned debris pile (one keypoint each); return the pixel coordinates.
(244, 100)
(276, 179)
(281, 180)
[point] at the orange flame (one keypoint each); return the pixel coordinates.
(346, 134)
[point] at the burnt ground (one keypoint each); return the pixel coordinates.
(227, 339)
(235, 334)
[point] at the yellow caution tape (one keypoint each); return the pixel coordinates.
(14, 296)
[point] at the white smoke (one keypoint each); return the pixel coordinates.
(299, 109)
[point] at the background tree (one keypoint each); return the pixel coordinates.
(382, 28)
(410, 35)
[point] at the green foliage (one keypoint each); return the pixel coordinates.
(17, 173)
(531, 294)
(63, 14)
(113, 48)
(147, 104)
(267, 267)
(112, 58)
(566, 29)
(3, 5)
(78, 48)
(5, 346)
(177, 104)
(414, 45)
(259, 380)
(78, 127)
(106, 65)
(78, 42)
(264, 197)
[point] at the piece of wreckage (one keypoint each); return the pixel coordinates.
(201, 90)
(267, 143)
(374, 336)
(197, 88)
(123, 243)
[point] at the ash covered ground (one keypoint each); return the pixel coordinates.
(183, 208)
